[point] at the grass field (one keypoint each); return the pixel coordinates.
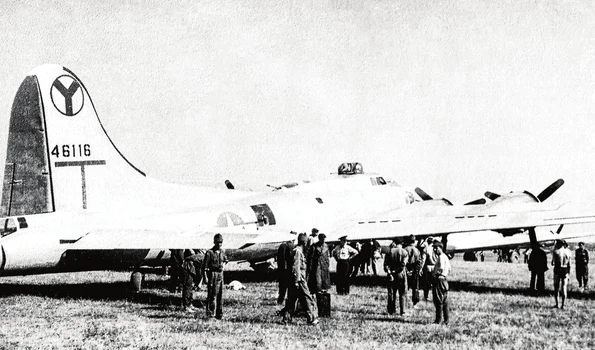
(490, 308)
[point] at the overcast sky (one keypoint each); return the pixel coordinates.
(455, 97)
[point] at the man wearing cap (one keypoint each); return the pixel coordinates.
(284, 270)
(413, 268)
(538, 266)
(395, 265)
(343, 253)
(212, 265)
(440, 284)
(299, 289)
(428, 262)
(581, 259)
(561, 263)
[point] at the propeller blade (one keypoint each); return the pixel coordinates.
(545, 194)
(480, 201)
(229, 185)
(491, 195)
(422, 194)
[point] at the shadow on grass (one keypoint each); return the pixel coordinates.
(396, 319)
(154, 291)
(474, 288)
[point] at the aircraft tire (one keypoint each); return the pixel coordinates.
(136, 280)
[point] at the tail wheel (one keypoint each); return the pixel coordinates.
(514, 258)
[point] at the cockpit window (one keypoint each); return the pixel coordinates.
(377, 181)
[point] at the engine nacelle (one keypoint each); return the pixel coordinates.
(442, 202)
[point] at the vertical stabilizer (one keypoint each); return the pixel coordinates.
(59, 157)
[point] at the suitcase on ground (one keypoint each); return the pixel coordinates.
(323, 302)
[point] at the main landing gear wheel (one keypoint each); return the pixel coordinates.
(136, 280)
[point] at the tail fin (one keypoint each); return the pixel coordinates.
(59, 156)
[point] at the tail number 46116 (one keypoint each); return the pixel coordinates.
(69, 151)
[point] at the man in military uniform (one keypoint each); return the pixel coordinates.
(191, 260)
(428, 261)
(413, 269)
(284, 271)
(538, 266)
(176, 273)
(440, 284)
(299, 289)
(581, 258)
(212, 266)
(343, 254)
(395, 265)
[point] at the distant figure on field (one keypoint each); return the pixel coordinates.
(440, 284)
(212, 266)
(284, 271)
(356, 261)
(581, 258)
(538, 266)
(376, 255)
(395, 265)
(428, 262)
(561, 263)
(365, 255)
(413, 268)
(176, 259)
(299, 289)
(343, 253)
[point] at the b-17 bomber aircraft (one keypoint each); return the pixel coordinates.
(72, 202)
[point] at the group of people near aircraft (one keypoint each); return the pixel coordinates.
(190, 267)
(303, 274)
(561, 257)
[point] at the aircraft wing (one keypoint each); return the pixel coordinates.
(496, 241)
(447, 220)
(129, 238)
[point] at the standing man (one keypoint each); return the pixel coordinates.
(413, 269)
(561, 263)
(299, 288)
(191, 260)
(395, 265)
(428, 263)
(581, 258)
(313, 238)
(319, 278)
(538, 266)
(365, 256)
(284, 271)
(440, 284)
(343, 253)
(176, 259)
(212, 265)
